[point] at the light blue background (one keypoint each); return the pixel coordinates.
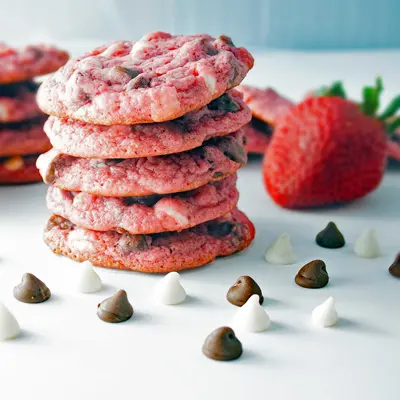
(287, 24)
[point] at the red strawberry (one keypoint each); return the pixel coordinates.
(327, 150)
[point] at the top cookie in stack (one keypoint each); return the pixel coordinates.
(147, 141)
(21, 121)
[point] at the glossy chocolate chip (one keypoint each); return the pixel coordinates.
(130, 243)
(232, 149)
(222, 345)
(313, 275)
(219, 229)
(227, 40)
(31, 290)
(116, 308)
(262, 126)
(224, 103)
(133, 73)
(330, 237)
(149, 201)
(394, 269)
(242, 290)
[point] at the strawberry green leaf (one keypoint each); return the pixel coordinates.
(391, 109)
(336, 89)
(371, 96)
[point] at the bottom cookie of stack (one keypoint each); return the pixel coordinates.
(155, 253)
(19, 169)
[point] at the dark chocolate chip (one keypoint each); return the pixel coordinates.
(330, 237)
(217, 175)
(131, 243)
(219, 229)
(116, 308)
(227, 40)
(242, 290)
(133, 73)
(232, 149)
(222, 345)
(149, 201)
(313, 275)
(224, 103)
(262, 126)
(31, 290)
(139, 82)
(394, 269)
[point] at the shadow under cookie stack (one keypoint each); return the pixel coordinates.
(147, 141)
(21, 122)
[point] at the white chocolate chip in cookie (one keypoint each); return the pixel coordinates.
(14, 163)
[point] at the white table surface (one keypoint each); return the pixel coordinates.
(65, 352)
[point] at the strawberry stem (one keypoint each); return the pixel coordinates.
(336, 89)
(371, 96)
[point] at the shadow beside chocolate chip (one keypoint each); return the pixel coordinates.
(222, 345)
(313, 275)
(394, 269)
(31, 290)
(330, 237)
(242, 290)
(116, 308)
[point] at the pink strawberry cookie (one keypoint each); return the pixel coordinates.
(222, 116)
(24, 64)
(156, 79)
(157, 253)
(18, 102)
(18, 169)
(23, 138)
(216, 159)
(149, 214)
(267, 107)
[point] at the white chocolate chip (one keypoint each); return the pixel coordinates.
(79, 241)
(44, 163)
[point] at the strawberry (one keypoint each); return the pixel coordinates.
(329, 150)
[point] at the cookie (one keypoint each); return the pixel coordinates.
(149, 214)
(222, 116)
(18, 101)
(257, 141)
(156, 79)
(216, 159)
(157, 253)
(19, 170)
(267, 107)
(21, 138)
(28, 62)
(265, 104)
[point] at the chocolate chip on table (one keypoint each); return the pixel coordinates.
(224, 103)
(222, 345)
(116, 308)
(313, 275)
(330, 237)
(242, 290)
(31, 290)
(394, 269)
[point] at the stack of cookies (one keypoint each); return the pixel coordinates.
(21, 122)
(147, 140)
(267, 107)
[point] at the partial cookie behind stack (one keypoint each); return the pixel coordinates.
(21, 122)
(147, 141)
(267, 107)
